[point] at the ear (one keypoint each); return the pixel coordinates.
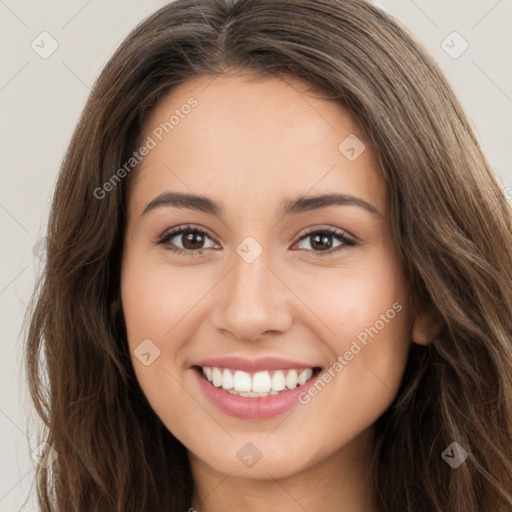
(425, 328)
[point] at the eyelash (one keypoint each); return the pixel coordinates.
(347, 243)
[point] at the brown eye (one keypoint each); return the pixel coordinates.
(192, 240)
(321, 241)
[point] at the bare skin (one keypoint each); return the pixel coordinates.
(250, 145)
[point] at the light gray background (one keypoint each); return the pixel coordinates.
(41, 99)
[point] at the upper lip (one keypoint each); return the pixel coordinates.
(254, 365)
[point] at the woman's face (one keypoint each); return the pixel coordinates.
(258, 286)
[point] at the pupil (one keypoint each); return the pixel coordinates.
(189, 240)
(322, 239)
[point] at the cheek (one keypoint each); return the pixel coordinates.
(155, 317)
(161, 304)
(362, 300)
(156, 297)
(151, 310)
(374, 316)
(368, 318)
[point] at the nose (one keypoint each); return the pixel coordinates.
(253, 300)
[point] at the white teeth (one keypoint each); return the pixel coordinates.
(259, 384)
(291, 379)
(242, 381)
(305, 375)
(278, 381)
(227, 379)
(216, 377)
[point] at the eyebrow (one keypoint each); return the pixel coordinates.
(295, 206)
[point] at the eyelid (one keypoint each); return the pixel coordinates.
(315, 229)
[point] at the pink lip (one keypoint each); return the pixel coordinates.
(254, 365)
(252, 408)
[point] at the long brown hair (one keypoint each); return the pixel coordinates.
(450, 218)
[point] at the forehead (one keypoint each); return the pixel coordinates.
(254, 140)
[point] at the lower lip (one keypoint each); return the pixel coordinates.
(252, 408)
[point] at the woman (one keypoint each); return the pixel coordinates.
(334, 330)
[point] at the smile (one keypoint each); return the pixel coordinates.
(258, 384)
(263, 389)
